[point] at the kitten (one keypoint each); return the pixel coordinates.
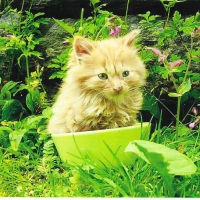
(102, 88)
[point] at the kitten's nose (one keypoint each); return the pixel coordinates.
(117, 89)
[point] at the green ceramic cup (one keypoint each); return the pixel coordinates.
(102, 148)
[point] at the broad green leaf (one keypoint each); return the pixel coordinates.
(15, 138)
(2, 102)
(34, 121)
(33, 99)
(184, 87)
(6, 88)
(12, 110)
(171, 94)
(167, 161)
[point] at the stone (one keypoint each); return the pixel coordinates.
(61, 9)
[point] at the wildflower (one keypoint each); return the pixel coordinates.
(155, 51)
(193, 124)
(116, 31)
(35, 83)
(9, 36)
(176, 63)
(196, 32)
(194, 110)
(161, 56)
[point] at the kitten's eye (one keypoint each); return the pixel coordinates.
(125, 73)
(103, 76)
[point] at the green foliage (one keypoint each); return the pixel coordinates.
(148, 18)
(167, 161)
(21, 38)
(60, 62)
(172, 37)
(7, 89)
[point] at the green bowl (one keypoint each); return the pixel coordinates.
(103, 148)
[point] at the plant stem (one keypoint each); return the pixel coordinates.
(178, 115)
(174, 81)
(168, 14)
(27, 70)
(22, 5)
(81, 20)
(31, 4)
(189, 59)
(10, 65)
(127, 6)
(97, 36)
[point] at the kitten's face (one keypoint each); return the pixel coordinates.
(111, 67)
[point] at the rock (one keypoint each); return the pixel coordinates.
(52, 44)
(61, 9)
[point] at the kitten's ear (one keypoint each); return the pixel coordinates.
(129, 39)
(82, 45)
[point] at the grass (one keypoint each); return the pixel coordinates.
(25, 175)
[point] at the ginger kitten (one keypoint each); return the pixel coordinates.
(102, 88)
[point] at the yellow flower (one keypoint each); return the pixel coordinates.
(35, 83)
(33, 74)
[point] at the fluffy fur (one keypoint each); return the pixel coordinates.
(102, 88)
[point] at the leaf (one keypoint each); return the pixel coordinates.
(15, 138)
(33, 99)
(183, 130)
(47, 112)
(177, 18)
(6, 88)
(94, 2)
(69, 29)
(12, 110)
(150, 103)
(34, 121)
(56, 66)
(36, 54)
(39, 14)
(167, 161)
(171, 94)
(59, 74)
(188, 25)
(184, 87)
(4, 136)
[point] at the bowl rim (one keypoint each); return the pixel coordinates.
(101, 131)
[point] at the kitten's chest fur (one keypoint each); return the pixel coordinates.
(93, 112)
